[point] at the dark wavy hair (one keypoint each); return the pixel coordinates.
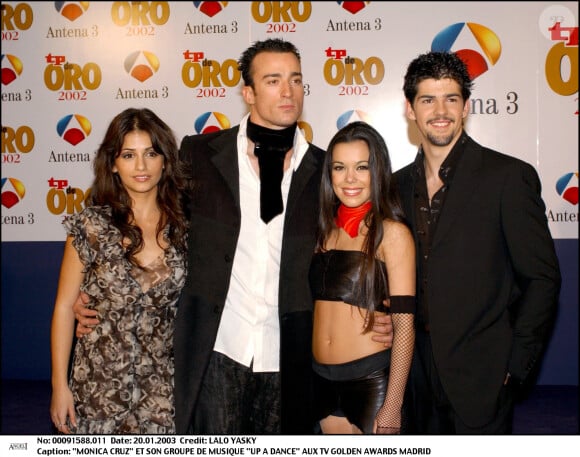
(385, 205)
(270, 45)
(437, 65)
(108, 190)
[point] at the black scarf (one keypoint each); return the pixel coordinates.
(270, 147)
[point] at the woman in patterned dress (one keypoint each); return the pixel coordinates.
(127, 252)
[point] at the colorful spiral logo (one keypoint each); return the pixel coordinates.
(351, 116)
(12, 192)
(71, 10)
(476, 63)
(567, 187)
(141, 65)
(11, 68)
(73, 128)
(211, 122)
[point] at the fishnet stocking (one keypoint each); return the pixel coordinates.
(388, 418)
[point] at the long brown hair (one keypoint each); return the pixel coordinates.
(108, 190)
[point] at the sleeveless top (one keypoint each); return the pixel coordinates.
(334, 276)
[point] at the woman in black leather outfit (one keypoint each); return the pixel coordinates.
(364, 265)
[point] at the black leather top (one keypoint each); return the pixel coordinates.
(334, 276)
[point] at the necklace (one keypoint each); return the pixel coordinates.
(349, 218)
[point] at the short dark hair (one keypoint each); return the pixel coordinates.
(269, 45)
(437, 65)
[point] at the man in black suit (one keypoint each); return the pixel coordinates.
(488, 276)
(244, 319)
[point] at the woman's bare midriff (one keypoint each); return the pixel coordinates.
(338, 333)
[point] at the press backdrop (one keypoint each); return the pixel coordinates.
(69, 67)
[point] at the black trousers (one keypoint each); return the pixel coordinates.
(355, 390)
(428, 410)
(236, 401)
(359, 400)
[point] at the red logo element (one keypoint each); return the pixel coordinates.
(353, 7)
(9, 199)
(12, 192)
(210, 8)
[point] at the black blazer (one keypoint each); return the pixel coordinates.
(493, 277)
(213, 235)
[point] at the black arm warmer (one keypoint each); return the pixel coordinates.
(403, 304)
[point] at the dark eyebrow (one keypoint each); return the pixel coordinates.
(279, 75)
(453, 94)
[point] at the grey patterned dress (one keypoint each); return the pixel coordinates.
(122, 374)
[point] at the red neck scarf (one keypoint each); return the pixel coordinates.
(349, 218)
